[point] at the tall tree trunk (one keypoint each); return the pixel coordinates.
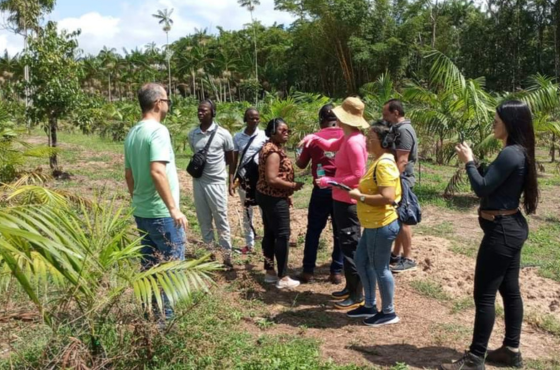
(256, 59)
(433, 16)
(53, 141)
(553, 148)
(110, 96)
(557, 39)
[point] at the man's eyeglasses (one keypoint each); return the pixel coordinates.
(168, 101)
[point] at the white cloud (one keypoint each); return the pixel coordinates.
(132, 24)
(97, 30)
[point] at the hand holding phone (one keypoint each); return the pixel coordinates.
(340, 186)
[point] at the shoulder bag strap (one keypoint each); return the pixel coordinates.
(375, 169)
(210, 139)
(247, 148)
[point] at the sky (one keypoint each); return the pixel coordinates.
(129, 23)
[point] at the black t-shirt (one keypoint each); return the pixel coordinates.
(502, 184)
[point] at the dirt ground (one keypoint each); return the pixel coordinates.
(430, 330)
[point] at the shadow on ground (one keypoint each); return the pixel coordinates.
(423, 357)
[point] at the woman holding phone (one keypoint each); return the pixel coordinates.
(512, 174)
(350, 162)
(274, 188)
(377, 195)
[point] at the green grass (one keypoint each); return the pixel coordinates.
(462, 305)
(430, 289)
(208, 335)
(541, 250)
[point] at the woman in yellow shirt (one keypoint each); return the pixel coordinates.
(377, 195)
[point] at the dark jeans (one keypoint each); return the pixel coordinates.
(497, 269)
(275, 242)
(349, 231)
(161, 242)
(320, 208)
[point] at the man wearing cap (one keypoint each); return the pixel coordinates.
(407, 154)
(350, 162)
(321, 205)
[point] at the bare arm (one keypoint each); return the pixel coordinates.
(129, 181)
(157, 171)
(302, 163)
(232, 170)
(272, 167)
(385, 196)
(402, 159)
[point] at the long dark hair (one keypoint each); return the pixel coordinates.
(518, 120)
(387, 136)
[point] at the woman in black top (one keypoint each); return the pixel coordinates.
(505, 230)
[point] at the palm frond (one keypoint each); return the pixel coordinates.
(455, 182)
(176, 279)
(444, 72)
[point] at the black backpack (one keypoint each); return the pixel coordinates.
(248, 175)
(408, 209)
(198, 161)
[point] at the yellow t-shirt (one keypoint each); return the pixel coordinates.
(387, 174)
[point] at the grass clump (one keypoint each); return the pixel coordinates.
(430, 289)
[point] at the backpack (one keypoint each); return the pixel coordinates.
(408, 209)
(248, 175)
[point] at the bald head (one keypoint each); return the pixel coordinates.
(149, 94)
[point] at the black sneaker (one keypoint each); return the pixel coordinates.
(341, 294)
(467, 362)
(404, 265)
(362, 311)
(382, 319)
(394, 259)
(348, 304)
(506, 357)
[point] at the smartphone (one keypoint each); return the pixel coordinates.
(340, 186)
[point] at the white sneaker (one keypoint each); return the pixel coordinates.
(287, 283)
(270, 278)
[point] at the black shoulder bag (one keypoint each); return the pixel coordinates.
(198, 161)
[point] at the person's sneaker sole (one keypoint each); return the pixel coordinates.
(392, 321)
(346, 308)
(270, 280)
(395, 271)
(340, 297)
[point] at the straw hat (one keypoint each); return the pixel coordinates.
(351, 113)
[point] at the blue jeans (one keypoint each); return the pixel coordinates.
(161, 242)
(320, 208)
(372, 261)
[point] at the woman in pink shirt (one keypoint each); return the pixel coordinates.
(350, 162)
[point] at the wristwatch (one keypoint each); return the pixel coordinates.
(362, 198)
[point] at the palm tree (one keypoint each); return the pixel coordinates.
(543, 96)
(108, 58)
(87, 256)
(250, 5)
(164, 17)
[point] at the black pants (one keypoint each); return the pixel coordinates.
(320, 208)
(346, 218)
(497, 269)
(275, 242)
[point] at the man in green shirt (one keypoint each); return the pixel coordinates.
(151, 177)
